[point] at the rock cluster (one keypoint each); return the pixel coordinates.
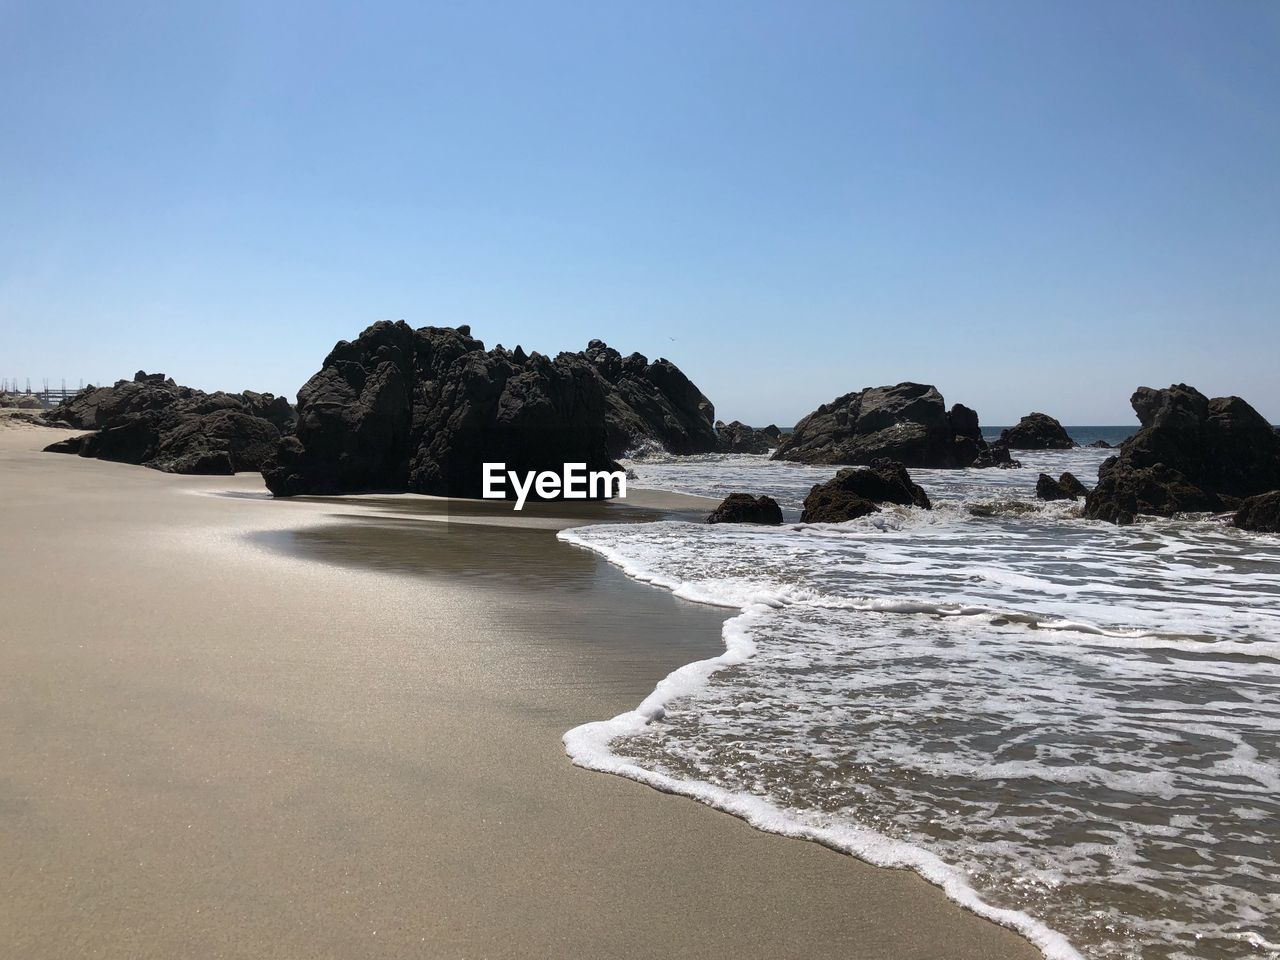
(908, 423)
(1192, 454)
(856, 492)
(1036, 431)
(737, 437)
(744, 508)
(422, 410)
(151, 420)
(1066, 487)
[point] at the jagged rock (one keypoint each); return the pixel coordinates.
(1260, 514)
(854, 493)
(650, 403)
(423, 410)
(1191, 455)
(151, 420)
(1037, 431)
(997, 455)
(1100, 445)
(744, 508)
(737, 437)
(1067, 487)
(908, 422)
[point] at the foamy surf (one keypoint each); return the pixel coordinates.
(1069, 727)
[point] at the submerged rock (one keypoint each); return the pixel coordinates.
(744, 508)
(1037, 431)
(1260, 514)
(1192, 454)
(854, 493)
(908, 423)
(1100, 445)
(422, 410)
(737, 437)
(152, 421)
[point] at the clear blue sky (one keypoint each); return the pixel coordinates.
(1032, 205)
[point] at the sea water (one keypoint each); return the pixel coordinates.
(1072, 728)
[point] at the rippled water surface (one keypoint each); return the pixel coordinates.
(1072, 727)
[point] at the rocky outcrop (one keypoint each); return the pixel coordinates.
(737, 437)
(650, 403)
(21, 401)
(1191, 455)
(744, 508)
(152, 421)
(996, 455)
(854, 493)
(1100, 445)
(1260, 514)
(422, 410)
(1067, 487)
(908, 423)
(1037, 431)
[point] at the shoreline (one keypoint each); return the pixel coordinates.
(246, 727)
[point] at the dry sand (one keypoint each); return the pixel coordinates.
(238, 727)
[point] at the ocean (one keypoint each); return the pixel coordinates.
(1072, 728)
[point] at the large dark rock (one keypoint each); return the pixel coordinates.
(1036, 431)
(650, 404)
(908, 423)
(744, 508)
(151, 420)
(1260, 514)
(737, 437)
(1192, 454)
(854, 493)
(423, 410)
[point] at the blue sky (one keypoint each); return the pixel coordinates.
(1032, 205)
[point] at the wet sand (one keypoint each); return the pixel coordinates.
(238, 727)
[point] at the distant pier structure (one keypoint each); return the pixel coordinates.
(44, 392)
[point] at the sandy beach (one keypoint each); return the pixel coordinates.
(239, 727)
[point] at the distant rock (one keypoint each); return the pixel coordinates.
(1191, 455)
(908, 423)
(1037, 431)
(1067, 487)
(152, 421)
(737, 437)
(1100, 445)
(422, 410)
(1260, 514)
(744, 508)
(854, 493)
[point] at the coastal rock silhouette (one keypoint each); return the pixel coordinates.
(908, 422)
(152, 421)
(856, 492)
(1066, 487)
(737, 437)
(744, 508)
(1191, 454)
(1036, 431)
(422, 410)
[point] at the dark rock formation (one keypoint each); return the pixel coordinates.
(744, 508)
(1191, 455)
(1260, 514)
(854, 493)
(1037, 431)
(737, 437)
(1067, 487)
(908, 423)
(1100, 445)
(423, 410)
(151, 420)
(650, 403)
(996, 455)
